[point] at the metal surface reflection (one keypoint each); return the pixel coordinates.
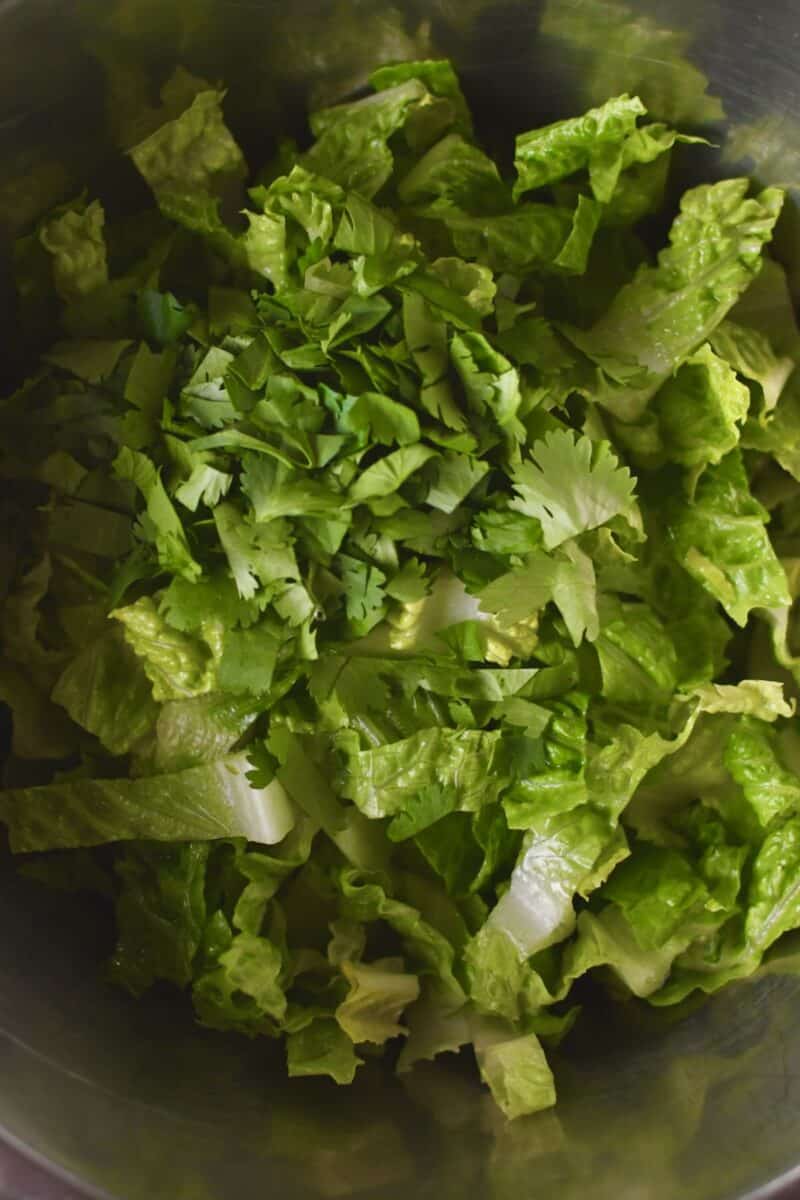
(131, 1098)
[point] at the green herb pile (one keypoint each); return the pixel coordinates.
(397, 604)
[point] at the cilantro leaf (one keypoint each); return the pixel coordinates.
(571, 485)
(566, 578)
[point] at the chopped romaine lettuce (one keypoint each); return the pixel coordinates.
(375, 534)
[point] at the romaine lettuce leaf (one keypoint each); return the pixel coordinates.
(778, 433)
(199, 803)
(469, 850)
(199, 730)
(593, 141)
(559, 853)
(363, 898)
(772, 902)
(161, 913)
(751, 756)
(701, 409)
(244, 991)
(515, 1069)
(435, 1026)
(606, 940)
(352, 139)
(193, 156)
(658, 890)
(378, 994)
(441, 81)
(751, 355)
(657, 320)
(770, 909)
(77, 244)
(638, 663)
(177, 664)
(322, 1048)
(719, 537)
(455, 171)
(530, 236)
(397, 777)
(549, 764)
(105, 690)
(39, 728)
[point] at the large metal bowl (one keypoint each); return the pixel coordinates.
(129, 1099)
